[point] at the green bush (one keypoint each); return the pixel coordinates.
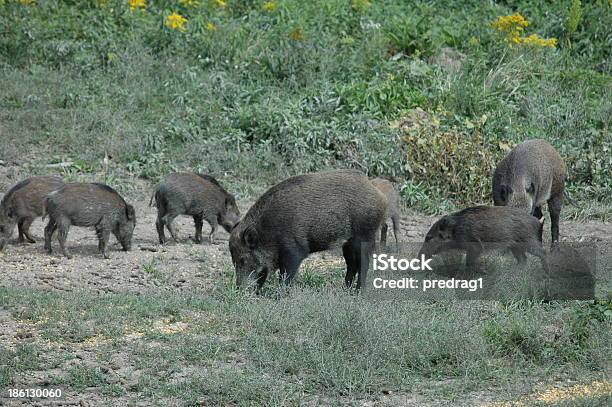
(258, 94)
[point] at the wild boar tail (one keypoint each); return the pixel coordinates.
(45, 202)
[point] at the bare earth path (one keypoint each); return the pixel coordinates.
(185, 265)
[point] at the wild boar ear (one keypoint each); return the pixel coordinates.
(447, 223)
(130, 212)
(531, 188)
(250, 238)
(229, 202)
(447, 226)
(503, 192)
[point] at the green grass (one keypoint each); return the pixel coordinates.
(321, 342)
(251, 105)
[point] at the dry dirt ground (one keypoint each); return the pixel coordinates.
(186, 265)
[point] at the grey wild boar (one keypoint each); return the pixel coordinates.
(532, 174)
(22, 204)
(393, 212)
(89, 205)
(197, 195)
(481, 228)
(306, 214)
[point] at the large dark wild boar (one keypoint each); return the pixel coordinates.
(197, 195)
(307, 214)
(480, 228)
(89, 205)
(532, 174)
(23, 203)
(393, 212)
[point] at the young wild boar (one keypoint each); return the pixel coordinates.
(393, 211)
(200, 196)
(89, 205)
(532, 174)
(480, 228)
(307, 214)
(22, 204)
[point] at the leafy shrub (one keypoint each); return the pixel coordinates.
(455, 158)
(295, 86)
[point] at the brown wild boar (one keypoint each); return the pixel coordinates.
(22, 204)
(197, 195)
(306, 214)
(393, 212)
(532, 174)
(480, 228)
(89, 205)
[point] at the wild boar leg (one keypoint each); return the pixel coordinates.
(169, 221)
(159, 224)
(26, 229)
(103, 236)
(383, 234)
(49, 230)
(396, 230)
(199, 223)
(260, 280)
(290, 263)
(472, 265)
(363, 252)
(519, 254)
(351, 266)
(23, 225)
(538, 214)
(554, 208)
(535, 248)
(213, 224)
(62, 234)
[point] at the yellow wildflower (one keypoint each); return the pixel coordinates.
(511, 26)
(219, 3)
(536, 40)
(136, 4)
(211, 27)
(296, 34)
(269, 6)
(507, 23)
(175, 21)
(188, 3)
(27, 2)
